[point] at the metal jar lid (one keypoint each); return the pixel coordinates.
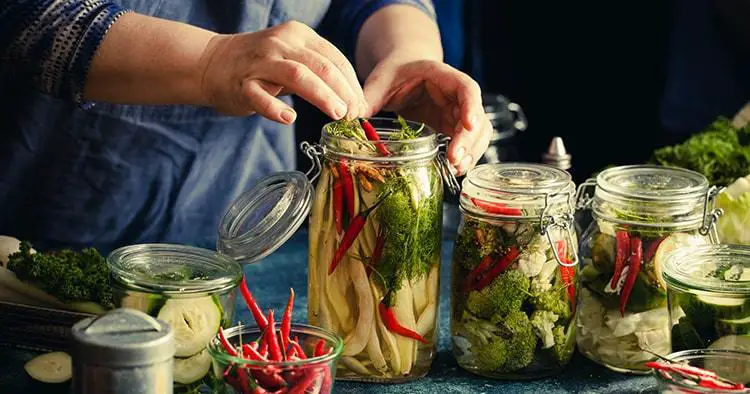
(122, 338)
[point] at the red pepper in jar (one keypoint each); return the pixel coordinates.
(346, 181)
(567, 274)
(373, 136)
(471, 278)
(273, 345)
(502, 264)
(622, 239)
(496, 208)
(390, 322)
(651, 249)
(634, 268)
(260, 320)
(286, 321)
(355, 227)
(338, 205)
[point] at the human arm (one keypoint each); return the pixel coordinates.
(138, 59)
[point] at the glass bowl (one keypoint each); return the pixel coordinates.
(312, 375)
(729, 364)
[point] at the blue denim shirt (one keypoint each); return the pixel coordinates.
(108, 175)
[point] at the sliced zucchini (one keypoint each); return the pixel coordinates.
(55, 367)
(194, 322)
(670, 244)
(734, 326)
(191, 369)
(87, 307)
(147, 303)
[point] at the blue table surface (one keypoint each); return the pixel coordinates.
(270, 280)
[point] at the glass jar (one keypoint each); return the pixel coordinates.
(375, 242)
(193, 290)
(640, 214)
(515, 272)
(709, 297)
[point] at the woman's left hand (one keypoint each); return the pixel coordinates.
(437, 94)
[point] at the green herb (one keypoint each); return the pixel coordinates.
(68, 275)
(721, 153)
(346, 128)
(406, 132)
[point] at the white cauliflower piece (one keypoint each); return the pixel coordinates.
(531, 261)
(543, 323)
(652, 319)
(654, 340)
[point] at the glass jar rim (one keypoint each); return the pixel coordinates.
(685, 355)
(216, 351)
(132, 266)
(424, 147)
(686, 269)
(682, 184)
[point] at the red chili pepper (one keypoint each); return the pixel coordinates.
(348, 184)
(306, 382)
(377, 252)
(233, 381)
(286, 321)
(651, 249)
(470, 280)
(355, 227)
(634, 268)
(273, 345)
(372, 135)
(623, 252)
(263, 346)
(260, 320)
(225, 343)
(390, 322)
(496, 208)
(497, 269)
(300, 352)
(319, 348)
(252, 353)
(568, 274)
(713, 383)
(681, 368)
(338, 205)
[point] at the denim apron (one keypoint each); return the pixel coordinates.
(112, 175)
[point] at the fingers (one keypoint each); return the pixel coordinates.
(334, 77)
(378, 90)
(296, 78)
(260, 97)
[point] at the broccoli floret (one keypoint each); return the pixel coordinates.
(522, 342)
(504, 295)
(70, 276)
(543, 323)
(563, 347)
(466, 250)
(552, 301)
(493, 356)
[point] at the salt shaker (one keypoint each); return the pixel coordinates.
(124, 351)
(557, 155)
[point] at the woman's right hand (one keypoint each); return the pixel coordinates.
(244, 73)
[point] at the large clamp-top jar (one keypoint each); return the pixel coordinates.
(375, 241)
(515, 272)
(641, 214)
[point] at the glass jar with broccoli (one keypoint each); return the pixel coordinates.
(194, 290)
(709, 299)
(641, 214)
(375, 240)
(515, 272)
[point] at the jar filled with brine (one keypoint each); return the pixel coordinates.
(641, 214)
(375, 242)
(515, 272)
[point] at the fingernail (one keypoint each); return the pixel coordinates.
(466, 162)
(340, 110)
(288, 115)
(460, 152)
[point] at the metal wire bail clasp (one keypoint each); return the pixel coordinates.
(583, 199)
(444, 166)
(312, 151)
(563, 221)
(710, 218)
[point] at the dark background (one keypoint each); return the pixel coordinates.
(591, 72)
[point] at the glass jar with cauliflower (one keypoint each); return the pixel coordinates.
(515, 272)
(641, 214)
(375, 240)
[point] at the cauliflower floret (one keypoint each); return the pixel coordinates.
(643, 321)
(543, 323)
(543, 281)
(532, 261)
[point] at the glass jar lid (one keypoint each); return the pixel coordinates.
(265, 217)
(722, 269)
(649, 194)
(517, 189)
(173, 269)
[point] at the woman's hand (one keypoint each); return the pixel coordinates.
(437, 94)
(243, 74)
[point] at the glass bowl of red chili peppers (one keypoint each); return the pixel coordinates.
(250, 360)
(702, 371)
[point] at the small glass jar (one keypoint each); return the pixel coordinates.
(734, 366)
(193, 290)
(514, 272)
(641, 213)
(709, 297)
(374, 248)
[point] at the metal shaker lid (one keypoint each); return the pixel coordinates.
(122, 338)
(557, 155)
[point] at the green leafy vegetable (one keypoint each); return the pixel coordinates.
(504, 295)
(68, 275)
(721, 153)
